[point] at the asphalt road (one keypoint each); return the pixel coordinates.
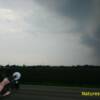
(37, 92)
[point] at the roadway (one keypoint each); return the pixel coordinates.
(37, 92)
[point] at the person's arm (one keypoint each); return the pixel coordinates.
(4, 83)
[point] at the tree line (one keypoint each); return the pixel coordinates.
(86, 75)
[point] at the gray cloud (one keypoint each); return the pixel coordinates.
(93, 42)
(86, 13)
(31, 26)
(78, 10)
(91, 37)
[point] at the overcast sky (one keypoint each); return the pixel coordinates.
(50, 32)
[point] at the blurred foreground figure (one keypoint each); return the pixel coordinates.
(4, 87)
(9, 83)
(16, 79)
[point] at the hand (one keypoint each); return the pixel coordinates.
(1, 87)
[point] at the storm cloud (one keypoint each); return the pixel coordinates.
(53, 32)
(92, 34)
(86, 14)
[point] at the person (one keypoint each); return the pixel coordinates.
(9, 83)
(15, 82)
(4, 87)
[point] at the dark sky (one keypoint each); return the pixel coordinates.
(50, 32)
